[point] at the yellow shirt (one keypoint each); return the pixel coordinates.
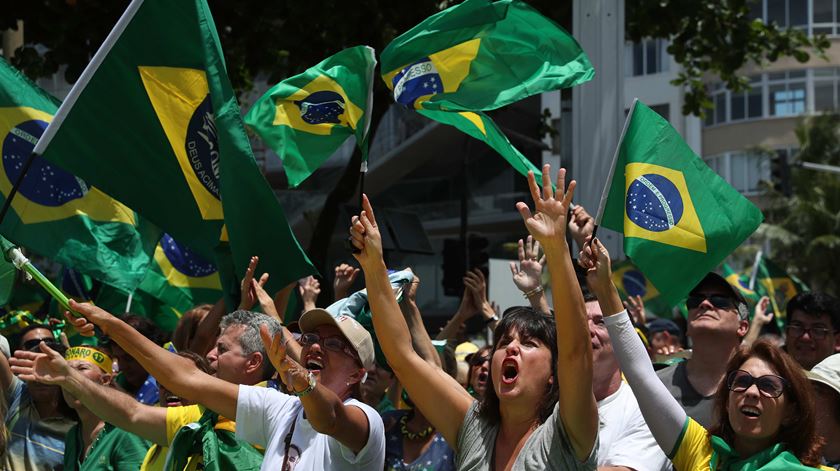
(176, 417)
(694, 449)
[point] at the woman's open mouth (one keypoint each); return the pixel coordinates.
(510, 371)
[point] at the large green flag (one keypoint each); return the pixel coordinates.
(306, 118)
(679, 218)
(741, 282)
(154, 122)
(178, 280)
(213, 439)
(480, 55)
(54, 213)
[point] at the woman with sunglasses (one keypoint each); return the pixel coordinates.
(479, 371)
(538, 411)
(765, 417)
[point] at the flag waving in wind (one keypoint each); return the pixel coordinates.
(479, 56)
(55, 213)
(679, 218)
(307, 117)
(154, 122)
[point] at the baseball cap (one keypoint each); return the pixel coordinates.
(663, 325)
(713, 278)
(827, 372)
(357, 335)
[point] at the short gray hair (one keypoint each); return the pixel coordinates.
(250, 340)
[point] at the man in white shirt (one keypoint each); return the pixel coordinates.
(323, 427)
(625, 442)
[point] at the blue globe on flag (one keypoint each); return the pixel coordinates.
(185, 260)
(654, 203)
(418, 79)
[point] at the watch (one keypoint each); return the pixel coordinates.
(312, 383)
(490, 320)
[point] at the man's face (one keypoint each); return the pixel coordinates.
(810, 338)
(227, 357)
(708, 318)
(33, 337)
(827, 402)
(599, 336)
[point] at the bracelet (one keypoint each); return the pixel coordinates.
(310, 388)
(537, 290)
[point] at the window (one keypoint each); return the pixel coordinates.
(645, 58)
(824, 19)
(743, 170)
(781, 93)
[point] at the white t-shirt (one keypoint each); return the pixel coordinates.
(625, 439)
(264, 417)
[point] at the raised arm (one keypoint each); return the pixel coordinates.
(441, 399)
(6, 375)
(761, 317)
(269, 308)
(324, 410)
(110, 405)
(465, 311)
(661, 411)
(547, 224)
(345, 275)
(419, 337)
(208, 329)
(178, 374)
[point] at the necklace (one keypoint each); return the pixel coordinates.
(414, 435)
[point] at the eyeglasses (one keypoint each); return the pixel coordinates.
(719, 302)
(477, 361)
(816, 333)
(768, 385)
(32, 343)
(335, 343)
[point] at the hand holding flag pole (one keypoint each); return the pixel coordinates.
(16, 258)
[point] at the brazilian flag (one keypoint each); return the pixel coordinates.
(679, 218)
(306, 118)
(178, 280)
(778, 285)
(479, 56)
(630, 281)
(56, 214)
(213, 441)
(741, 282)
(154, 122)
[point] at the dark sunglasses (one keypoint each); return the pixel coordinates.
(478, 360)
(768, 385)
(720, 302)
(816, 333)
(336, 344)
(32, 343)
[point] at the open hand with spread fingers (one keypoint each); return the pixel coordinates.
(548, 221)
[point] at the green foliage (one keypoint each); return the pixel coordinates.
(717, 37)
(804, 230)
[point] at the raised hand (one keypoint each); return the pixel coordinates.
(93, 316)
(266, 303)
(48, 367)
(411, 292)
(309, 289)
(249, 297)
(581, 225)
(475, 282)
(596, 260)
(528, 275)
(293, 375)
(548, 223)
(365, 236)
(761, 316)
(636, 308)
(344, 276)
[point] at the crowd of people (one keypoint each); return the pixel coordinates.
(584, 382)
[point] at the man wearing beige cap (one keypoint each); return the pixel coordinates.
(825, 377)
(319, 425)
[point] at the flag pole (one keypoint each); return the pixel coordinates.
(363, 168)
(754, 273)
(84, 79)
(605, 193)
(16, 257)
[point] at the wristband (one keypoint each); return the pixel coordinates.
(537, 290)
(312, 384)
